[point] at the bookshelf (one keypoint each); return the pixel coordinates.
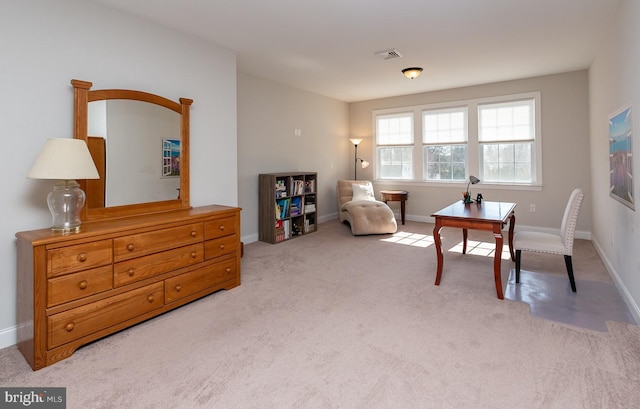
(288, 205)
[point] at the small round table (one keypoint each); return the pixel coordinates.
(395, 196)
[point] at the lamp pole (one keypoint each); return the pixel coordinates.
(355, 163)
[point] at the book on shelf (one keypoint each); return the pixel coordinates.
(282, 209)
(296, 206)
(297, 187)
(310, 186)
(309, 207)
(286, 228)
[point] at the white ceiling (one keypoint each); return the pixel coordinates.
(329, 47)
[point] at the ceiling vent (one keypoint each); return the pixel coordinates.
(388, 54)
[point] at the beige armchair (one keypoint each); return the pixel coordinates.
(358, 207)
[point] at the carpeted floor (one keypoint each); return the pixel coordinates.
(329, 320)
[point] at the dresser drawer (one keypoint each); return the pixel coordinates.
(219, 227)
(69, 259)
(220, 247)
(190, 283)
(144, 267)
(78, 285)
(90, 318)
(137, 245)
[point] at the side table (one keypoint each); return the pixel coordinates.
(395, 196)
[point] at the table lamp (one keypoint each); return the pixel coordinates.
(472, 181)
(65, 160)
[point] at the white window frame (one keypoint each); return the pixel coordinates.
(380, 146)
(461, 141)
(473, 158)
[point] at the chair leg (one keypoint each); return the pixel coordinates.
(518, 255)
(567, 261)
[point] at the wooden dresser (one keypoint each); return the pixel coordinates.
(76, 288)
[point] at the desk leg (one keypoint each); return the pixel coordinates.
(438, 242)
(497, 233)
(464, 241)
(512, 224)
(402, 204)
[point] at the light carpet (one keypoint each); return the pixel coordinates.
(329, 320)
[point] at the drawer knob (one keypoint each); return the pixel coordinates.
(69, 327)
(228, 270)
(150, 298)
(221, 247)
(130, 247)
(82, 257)
(193, 254)
(82, 284)
(178, 288)
(131, 272)
(194, 234)
(221, 227)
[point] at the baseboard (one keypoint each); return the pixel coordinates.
(626, 296)
(8, 337)
(251, 238)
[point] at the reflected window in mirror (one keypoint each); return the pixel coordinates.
(132, 137)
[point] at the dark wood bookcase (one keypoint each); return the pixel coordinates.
(288, 205)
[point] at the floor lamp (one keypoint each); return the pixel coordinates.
(365, 164)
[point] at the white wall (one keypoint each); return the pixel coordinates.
(565, 150)
(613, 83)
(45, 44)
(268, 114)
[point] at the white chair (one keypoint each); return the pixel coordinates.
(552, 243)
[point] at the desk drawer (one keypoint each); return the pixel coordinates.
(79, 322)
(79, 285)
(70, 259)
(144, 267)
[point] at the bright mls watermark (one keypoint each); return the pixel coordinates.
(40, 398)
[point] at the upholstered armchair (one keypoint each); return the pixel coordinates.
(358, 207)
(552, 243)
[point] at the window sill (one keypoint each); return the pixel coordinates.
(457, 185)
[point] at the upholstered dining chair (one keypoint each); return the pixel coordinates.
(552, 243)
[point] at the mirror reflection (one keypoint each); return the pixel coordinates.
(136, 147)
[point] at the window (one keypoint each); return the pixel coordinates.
(506, 141)
(444, 135)
(496, 139)
(394, 140)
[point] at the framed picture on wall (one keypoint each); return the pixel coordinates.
(621, 157)
(170, 158)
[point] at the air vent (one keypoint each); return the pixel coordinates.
(388, 54)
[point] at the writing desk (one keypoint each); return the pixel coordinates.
(490, 216)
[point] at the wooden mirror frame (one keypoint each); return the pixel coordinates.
(82, 95)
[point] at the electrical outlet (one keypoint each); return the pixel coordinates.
(297, 132)
(532, 208)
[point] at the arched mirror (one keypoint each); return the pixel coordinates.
(140, 144)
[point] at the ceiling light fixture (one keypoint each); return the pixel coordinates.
(412, 72)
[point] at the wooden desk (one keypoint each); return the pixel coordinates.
(395, 196)
(490, 216)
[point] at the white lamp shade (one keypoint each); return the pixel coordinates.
(356, 141)
(64, 159)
